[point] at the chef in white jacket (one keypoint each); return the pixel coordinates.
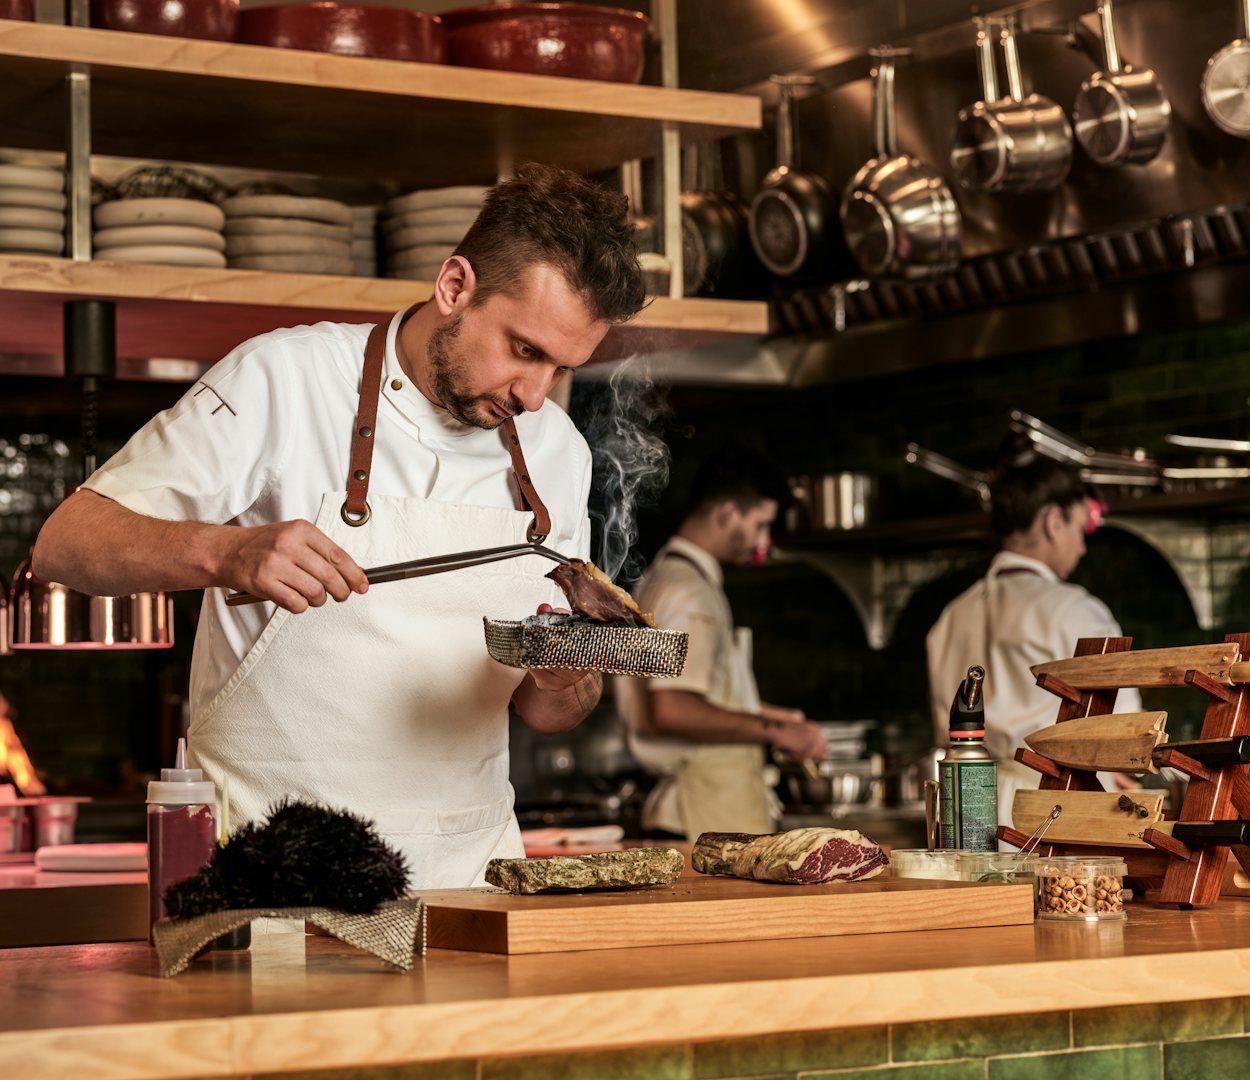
(309, 453)
(1023, 612)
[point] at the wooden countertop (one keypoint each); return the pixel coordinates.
(297, 1002)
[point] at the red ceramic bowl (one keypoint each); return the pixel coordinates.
(213, 19)
(17, 9)
(347, 29)
(575, 40)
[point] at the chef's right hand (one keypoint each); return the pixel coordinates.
(292, 563)
(804, 741)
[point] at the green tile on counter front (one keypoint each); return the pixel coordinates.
(434, 1070)
(946, 1070)
(1213, 1059)
(635, 1063)
(938, 1039)
(1124, 1063)
(791, 1052)
(1156, 1023)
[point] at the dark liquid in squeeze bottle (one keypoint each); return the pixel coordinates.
(182, 829)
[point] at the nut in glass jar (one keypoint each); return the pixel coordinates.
(1083, 888)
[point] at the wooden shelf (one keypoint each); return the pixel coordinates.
(201, 314)
(951, 529)
(283, 109)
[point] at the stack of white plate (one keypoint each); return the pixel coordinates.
(32, 209)
(365, 240)
(292, 234)
(171, 232)
(424, 227)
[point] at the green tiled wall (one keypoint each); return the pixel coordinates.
(1196, 1040)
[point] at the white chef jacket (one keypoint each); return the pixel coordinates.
(1018, 615)
(702, 786)
(267, 432)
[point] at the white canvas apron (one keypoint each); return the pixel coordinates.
(710, 787)
(388, 704)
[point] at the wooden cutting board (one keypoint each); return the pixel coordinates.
(699, 910)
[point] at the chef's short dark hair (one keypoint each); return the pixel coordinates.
(1026, 483)
(551, 215)
(743, 477)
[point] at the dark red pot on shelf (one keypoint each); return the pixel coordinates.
(212, 19)
(348, 30)
(574, 40)
(17, 9)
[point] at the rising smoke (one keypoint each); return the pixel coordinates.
(631, 463)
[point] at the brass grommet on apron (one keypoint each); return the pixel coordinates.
(358, 520)
(532, 534)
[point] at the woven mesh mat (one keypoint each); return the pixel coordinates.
(392, 933)
(580, 645)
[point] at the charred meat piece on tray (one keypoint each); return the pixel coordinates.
(592, 595)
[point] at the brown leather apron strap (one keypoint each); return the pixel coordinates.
(540, 528)
(355, 509)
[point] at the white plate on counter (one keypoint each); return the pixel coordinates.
(420, 219)
(94, 857)
(144, 235)
(28, 196)
(162, 254)
(38, 241)
(286, 244)
(425, 234)
(289, 206)
(32, 176)
(294, 264)
(159, 212)
(31, 217)
(432, 198)
(280, 226)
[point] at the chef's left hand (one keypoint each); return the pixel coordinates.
(559, 678)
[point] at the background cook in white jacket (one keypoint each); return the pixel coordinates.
(1023, 612)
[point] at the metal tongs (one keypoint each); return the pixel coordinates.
(1035, 837)
(434, 564)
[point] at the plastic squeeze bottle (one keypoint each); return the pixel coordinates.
(967, 775)
(181, 829)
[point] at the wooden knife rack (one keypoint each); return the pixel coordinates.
(1188, 876)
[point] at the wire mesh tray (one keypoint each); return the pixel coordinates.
(566, 641)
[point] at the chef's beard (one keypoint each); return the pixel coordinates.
(451, 381)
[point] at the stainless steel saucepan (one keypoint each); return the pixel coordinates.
(1226, 83)
(1121, 114)
(1015, 143)
(899, 216)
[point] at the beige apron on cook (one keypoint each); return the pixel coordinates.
(712, 788)
(388, 704)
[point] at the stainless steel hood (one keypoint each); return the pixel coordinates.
(1111, 252)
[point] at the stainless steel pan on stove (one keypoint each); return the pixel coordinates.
(1226, 83)
(899, 215)
(1121, 113)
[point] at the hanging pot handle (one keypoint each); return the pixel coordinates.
(787, 130)
(1015, 83)
(985, 58)
(883, 105)
(1109, 45)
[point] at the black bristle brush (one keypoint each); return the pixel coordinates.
(303, 855)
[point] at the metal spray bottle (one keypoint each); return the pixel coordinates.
(967, 775)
